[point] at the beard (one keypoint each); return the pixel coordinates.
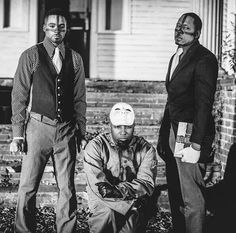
(123, 144)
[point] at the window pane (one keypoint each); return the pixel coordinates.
(6, 20)
(16, 14)
(114, 14)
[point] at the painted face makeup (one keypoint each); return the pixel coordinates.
(185, 31)
(55, 28)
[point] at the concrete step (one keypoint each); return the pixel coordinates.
(143, 116)
(101, 96)
(48, 192)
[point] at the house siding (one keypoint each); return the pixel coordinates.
(14, 42)
(144, 52)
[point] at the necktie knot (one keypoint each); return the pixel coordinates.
(179, 51)
(57, 60)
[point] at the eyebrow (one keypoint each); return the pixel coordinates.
(56, 23)
(125, 109)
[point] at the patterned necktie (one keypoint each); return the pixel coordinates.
(57, 60)
(175, 60)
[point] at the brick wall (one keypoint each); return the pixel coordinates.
(225, 117)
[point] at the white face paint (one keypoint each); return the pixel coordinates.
(185, 33)
(55, 28)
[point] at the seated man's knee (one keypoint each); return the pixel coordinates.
(101, 220)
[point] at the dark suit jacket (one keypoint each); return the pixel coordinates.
(191, 91)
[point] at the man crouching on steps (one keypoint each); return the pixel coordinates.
(121, 171)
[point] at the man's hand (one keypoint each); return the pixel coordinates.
(140, 202)
(189, 155)
(108, 190)
(81, 144)
(17, 145)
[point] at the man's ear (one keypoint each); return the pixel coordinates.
(197, 34)
(44, 28)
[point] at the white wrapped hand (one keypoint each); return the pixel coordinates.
(189, 155)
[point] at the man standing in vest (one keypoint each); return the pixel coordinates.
(48, 120)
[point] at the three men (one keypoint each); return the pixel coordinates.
(121, 171)
(120, 167)
(48, 105)
(191, 85)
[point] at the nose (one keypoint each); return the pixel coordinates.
(123, 130)
(56, 29)
(179, 30)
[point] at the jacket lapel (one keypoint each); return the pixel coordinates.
(184, 61)
(168, 71)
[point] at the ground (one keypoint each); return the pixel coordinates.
(159, 223)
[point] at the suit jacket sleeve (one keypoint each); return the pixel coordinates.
(205, 78)
(21, 90)
(79, 94)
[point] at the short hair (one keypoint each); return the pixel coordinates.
(56, 11)
(197, 20)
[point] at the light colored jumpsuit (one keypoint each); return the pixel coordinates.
(132, 170)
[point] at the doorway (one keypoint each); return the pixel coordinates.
(79, 35)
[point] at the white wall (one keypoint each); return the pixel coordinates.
(142, 53)
(14, 40)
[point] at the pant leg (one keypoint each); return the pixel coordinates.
(133, 223)
(175, 195)
(192, 188)
(185, 189)
(64, 158)
(102, 219)
(34, 162)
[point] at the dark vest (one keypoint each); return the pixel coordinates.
(52, 93)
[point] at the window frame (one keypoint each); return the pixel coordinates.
(24, 16)
(126, 18)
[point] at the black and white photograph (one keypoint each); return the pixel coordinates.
(117, 116)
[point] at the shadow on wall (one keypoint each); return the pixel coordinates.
(221, 198)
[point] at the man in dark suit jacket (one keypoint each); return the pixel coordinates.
(191, 88)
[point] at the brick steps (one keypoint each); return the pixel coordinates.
(101, 97)
(48, 192)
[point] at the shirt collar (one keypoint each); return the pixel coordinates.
(50, 47)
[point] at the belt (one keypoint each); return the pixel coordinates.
(44, 119)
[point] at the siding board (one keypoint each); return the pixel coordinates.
(142, 54)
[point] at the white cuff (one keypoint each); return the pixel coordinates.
(18, 138)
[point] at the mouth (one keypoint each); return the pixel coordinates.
(178, 38)
(123, 139)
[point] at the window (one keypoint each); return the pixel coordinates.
(6, 17)
(15, 14)
(113, 15)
